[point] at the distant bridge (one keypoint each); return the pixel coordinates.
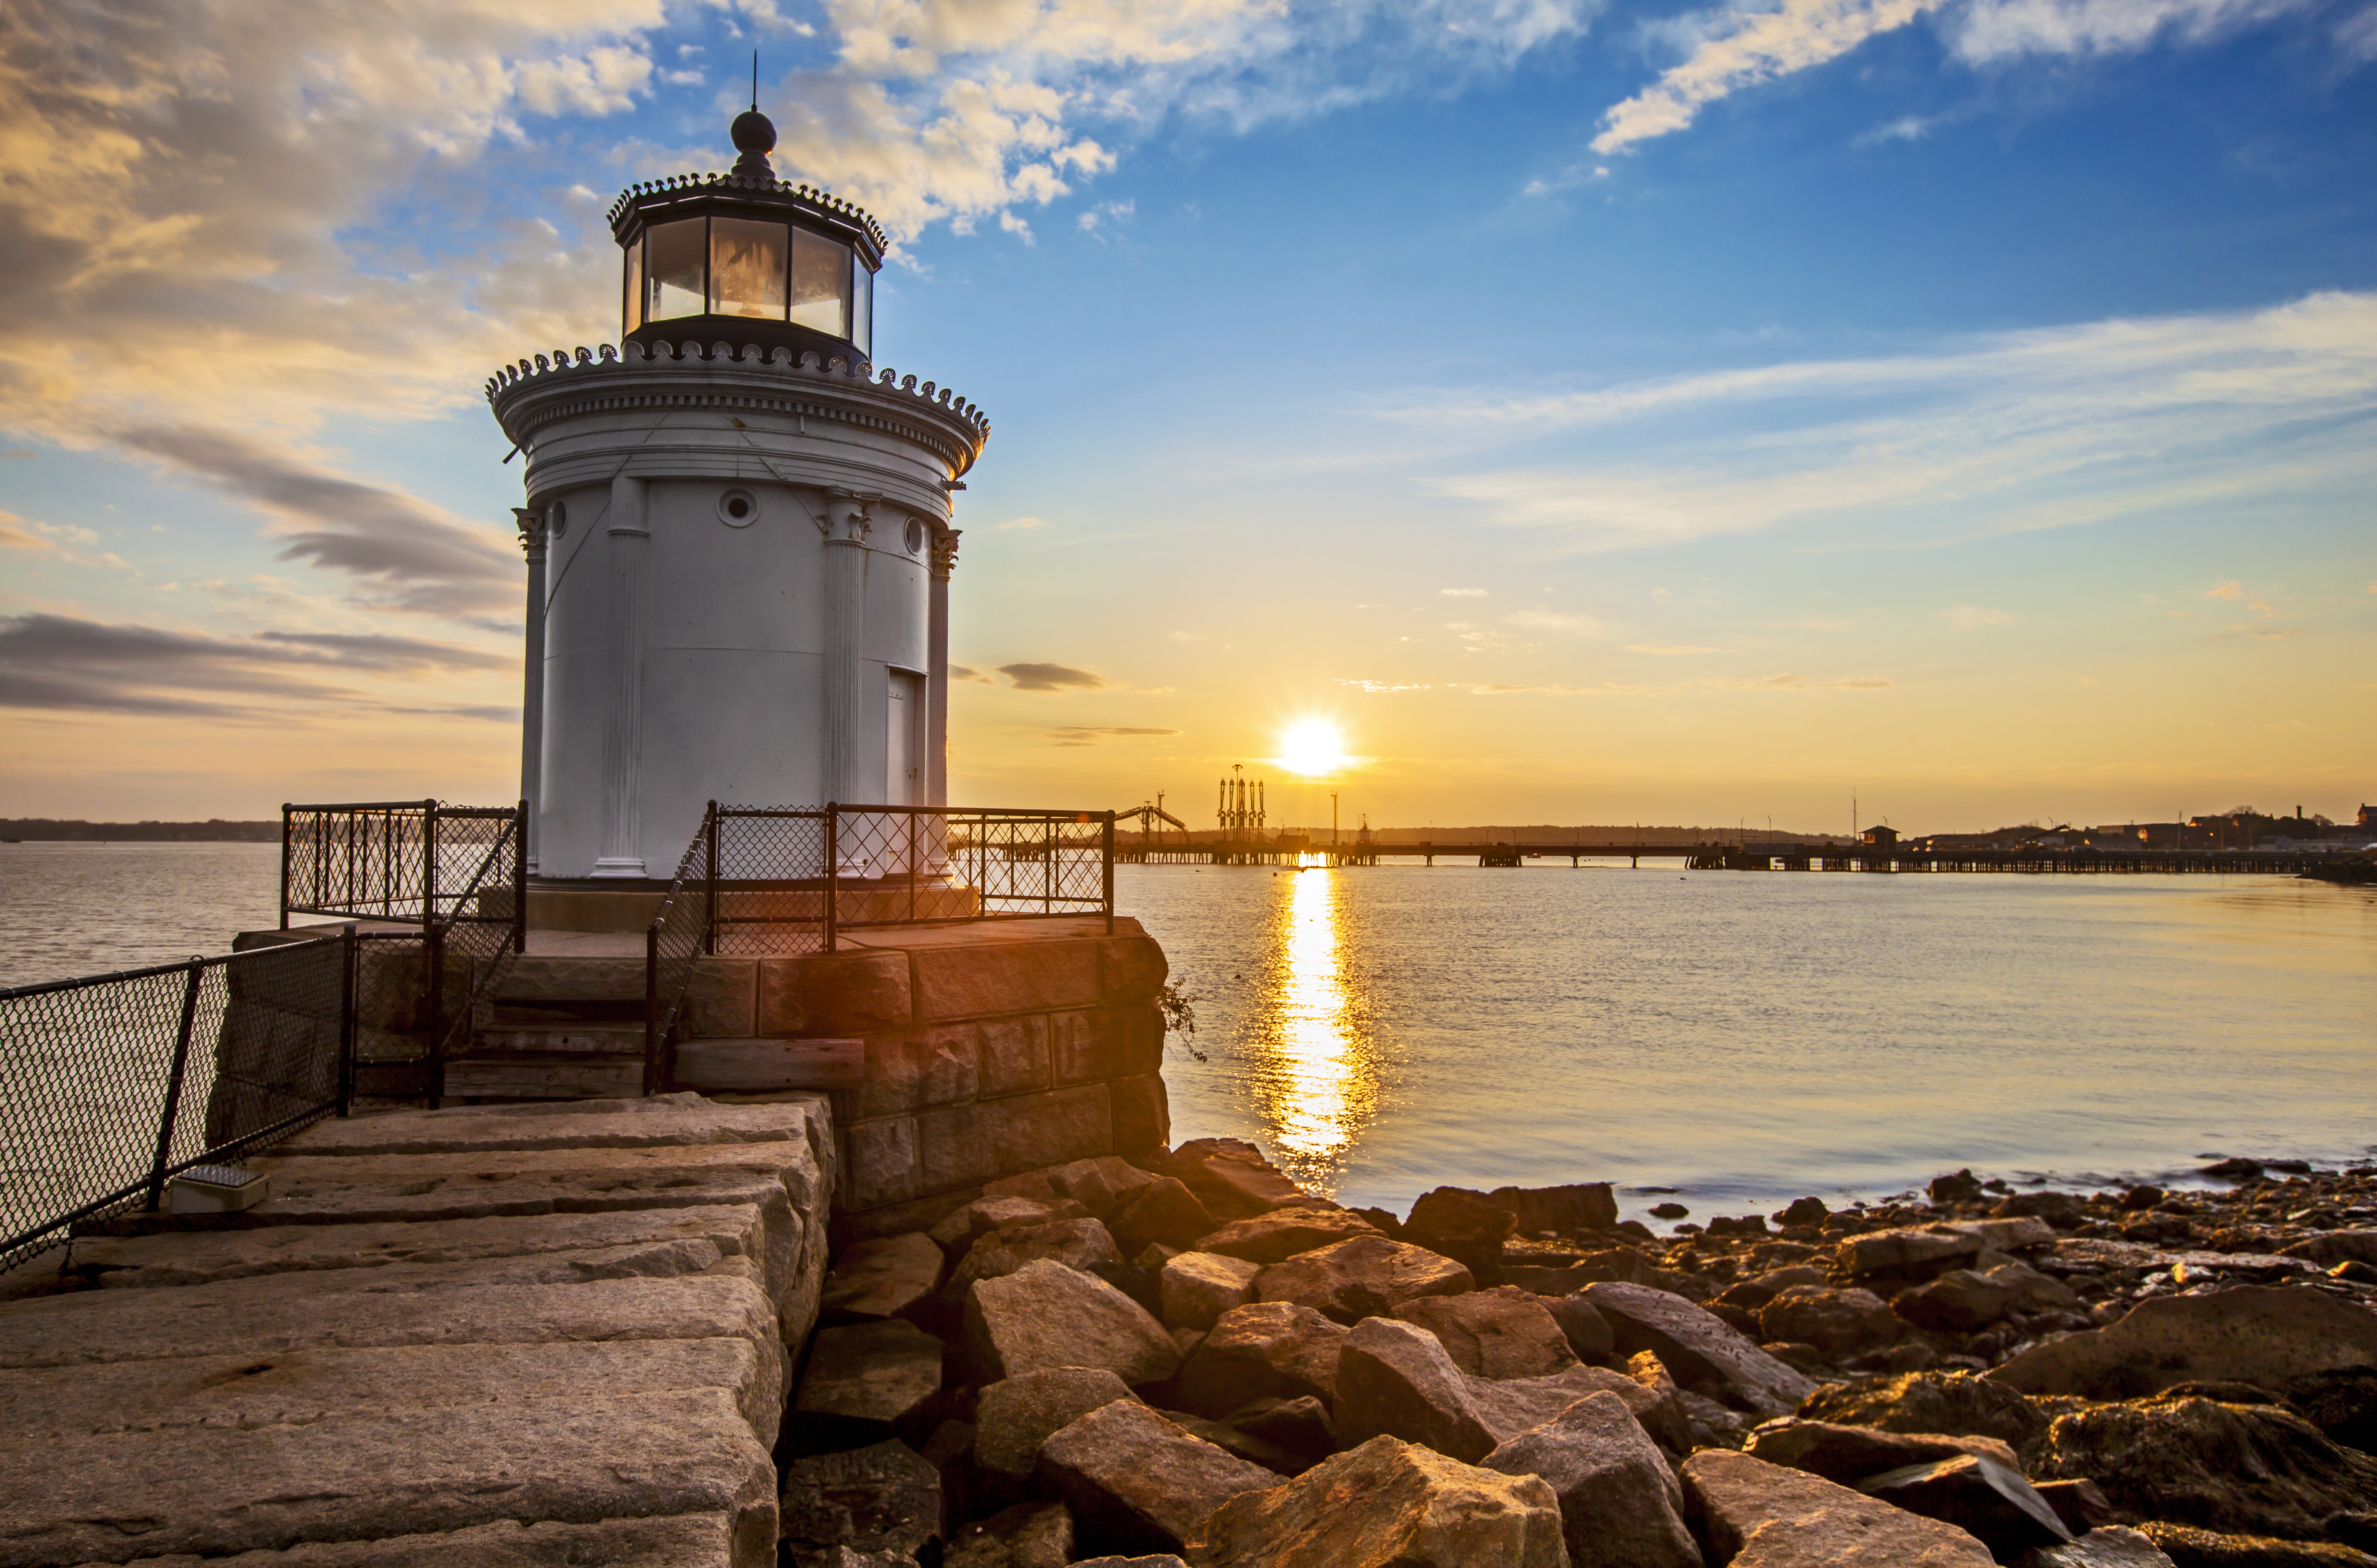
(1729, 856)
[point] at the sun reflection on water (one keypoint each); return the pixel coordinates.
(1319, 1075)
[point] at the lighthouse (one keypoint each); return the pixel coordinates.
(738, 531)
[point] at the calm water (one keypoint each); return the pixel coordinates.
(1740, 1037)
(1745, 1037)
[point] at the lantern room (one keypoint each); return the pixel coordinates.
(744, 257)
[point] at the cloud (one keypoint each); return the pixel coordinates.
(1375, 687)
(1463, 593)
(1552, 621)
(56, 540)
(2047, 428)
(1739, 49)
(967, 672)
(2231, 590)
(401, 553)
(1788, 682)
(1090, 734)
(1026, 524)
(1973, 617)
(1052, 678)
(1997, 31)
(60, 662)
(1672, 650)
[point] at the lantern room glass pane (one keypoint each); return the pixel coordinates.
(635, 285)
(861, 304)
(746, 269)
(820, 283)
(674, 254)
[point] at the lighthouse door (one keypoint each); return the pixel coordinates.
(904, 749)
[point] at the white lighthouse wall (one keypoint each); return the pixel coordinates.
(733, 667)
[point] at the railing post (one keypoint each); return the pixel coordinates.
(520, 880)
(434, 1005)
(429, 863)
(651, 1007)
(1107, 888)
(911, 820)
(285, 865)
(347, 1020)
(832, 865)
(174, 1086)
(710, 879)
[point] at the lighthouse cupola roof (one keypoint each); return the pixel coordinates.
(745, 258)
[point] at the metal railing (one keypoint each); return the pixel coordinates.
(784, 881)
(112, 1086)
(459, 872)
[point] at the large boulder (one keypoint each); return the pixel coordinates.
(1197, 1288)
(2265, 1335)
(892, 1276)
(1465, 1225)
(1620, 1505)
(1262, 1350)
(1015, 1416)
(1362, 1278)
(1754, 1514)
(867, 1382)
(1989, 1501)
(2187, 1546)
(1231, 1178)
(1390, 1504)
(1083, 1245)
(1576, 1210)
(1029, 1535)
(1588, 1332)
(2331, 1247)
(1045, 1315)
(2245, 1469)
(885, 1498)
(1848, 1454)
(1163, 1213)
(1105, 1185)
(957, 1228)
(1837, 1322)
(1959, 1301)
(1705, 1353)
(1503, 1331)
(1137, 1482)
(2114, 1547)
(1281, 1233)
(1395, 1379)
(1959, 1404)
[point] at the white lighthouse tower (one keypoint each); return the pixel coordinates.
(738, 531)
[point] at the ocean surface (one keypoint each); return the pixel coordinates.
(1739, 1037)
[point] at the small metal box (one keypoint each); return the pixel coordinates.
(218, 1189)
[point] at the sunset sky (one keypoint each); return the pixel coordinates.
(1583, 413)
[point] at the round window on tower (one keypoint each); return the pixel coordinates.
(915, 535)
(556, 519)
(738, 508)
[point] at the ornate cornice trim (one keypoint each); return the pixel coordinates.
(530, 395)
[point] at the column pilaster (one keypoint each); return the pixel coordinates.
(623, 728)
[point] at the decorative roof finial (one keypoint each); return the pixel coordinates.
(753, 134)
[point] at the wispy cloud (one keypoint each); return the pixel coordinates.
(2040, 429)
(63, 663)
(62, 542)
(1973, 617)
(1669, 650)
(1053, 678)
(1092, 735)
(1463, 593)
(1790, 681)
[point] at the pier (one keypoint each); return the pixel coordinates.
(1291, 850)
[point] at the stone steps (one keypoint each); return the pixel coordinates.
(534, 1333)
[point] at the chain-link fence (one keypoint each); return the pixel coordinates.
(112, 1086)
(400, 860)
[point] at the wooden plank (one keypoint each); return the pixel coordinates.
(563, 1038)
(761, 1064)
(478, 1078)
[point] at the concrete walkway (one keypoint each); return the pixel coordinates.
(538, 1333)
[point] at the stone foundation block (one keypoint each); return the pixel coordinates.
(997, 978)
(720, 1000)
(681, 1540)
(967, 1144)
(880, 1160)
(1014, 1056)
(846, 993)
(912, 1071)
(1130, 968)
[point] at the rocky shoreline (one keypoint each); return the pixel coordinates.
(1190, 1361)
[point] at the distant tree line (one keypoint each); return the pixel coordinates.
(214, 830)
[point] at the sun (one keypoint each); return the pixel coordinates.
(1313, 748)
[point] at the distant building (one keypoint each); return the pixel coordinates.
(2368, 817)
(1880, 837)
